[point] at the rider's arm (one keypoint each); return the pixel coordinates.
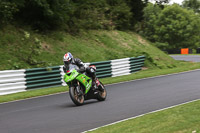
(80, 64)
(64, 69)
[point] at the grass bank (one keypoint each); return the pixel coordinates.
(183, 66)
(181, 119)
(24, 48)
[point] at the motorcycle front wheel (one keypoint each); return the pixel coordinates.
(101, 96)
(76, 98)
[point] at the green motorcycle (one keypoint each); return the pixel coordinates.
(80, 86)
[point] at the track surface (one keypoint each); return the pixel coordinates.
(57, 113)
(193, 58)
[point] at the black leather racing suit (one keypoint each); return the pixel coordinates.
(78, 62)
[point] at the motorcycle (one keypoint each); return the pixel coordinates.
(80, 86)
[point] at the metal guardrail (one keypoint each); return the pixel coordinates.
(13, 81)
(43, 77)
(103, 69)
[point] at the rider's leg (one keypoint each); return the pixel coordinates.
(92, 73)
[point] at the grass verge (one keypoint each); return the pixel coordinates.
(181, 119)
(183, 66)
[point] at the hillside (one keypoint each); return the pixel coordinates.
(24, 48)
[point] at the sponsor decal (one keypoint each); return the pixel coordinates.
(88, 86)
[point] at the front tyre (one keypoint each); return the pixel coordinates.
(76, 98)
(101, 96)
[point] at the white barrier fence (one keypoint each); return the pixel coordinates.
(12, 81)
(120, 67)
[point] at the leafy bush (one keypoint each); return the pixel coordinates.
(173, 25)
(119, 13)
(162, 46)
(7, 11)
(45, 14)
(73, 15)
(192, 4)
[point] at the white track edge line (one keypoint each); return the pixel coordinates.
(140, 115)
(106, 85)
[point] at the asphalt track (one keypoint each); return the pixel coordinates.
(193, 58)
(57, 113)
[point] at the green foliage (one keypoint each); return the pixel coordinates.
(7, 11)
(173, 25)
(119, 13)
(178, 27)
(137, 7)
(101, 14)
(89, 14)
(151, 13)
(194, 51)
(73, 15)
(45, 14)
(192, 4)
(161, 45)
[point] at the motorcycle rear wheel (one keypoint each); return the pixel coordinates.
(78, 100)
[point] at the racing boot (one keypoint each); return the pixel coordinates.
(99, 85)
(94, 85)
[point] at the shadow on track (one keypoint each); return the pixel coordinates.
(71, 104)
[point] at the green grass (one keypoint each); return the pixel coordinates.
(183, 66)
(89, 46)
(181, 119)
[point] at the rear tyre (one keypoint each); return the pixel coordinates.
(77, 99)
(101, 96)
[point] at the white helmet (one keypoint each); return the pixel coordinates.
(67, 58)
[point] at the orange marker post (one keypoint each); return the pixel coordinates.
(185, 51)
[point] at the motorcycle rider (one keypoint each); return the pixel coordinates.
(90, 71)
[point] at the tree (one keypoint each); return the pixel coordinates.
(136, 8)
(160, 2)
(44, 14)
(7, 11)
(173, 27)
(192, 4)
(119, 13)
(89, 14)
(178, 27)
(151, 13)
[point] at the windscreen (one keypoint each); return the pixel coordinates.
(72, 67)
